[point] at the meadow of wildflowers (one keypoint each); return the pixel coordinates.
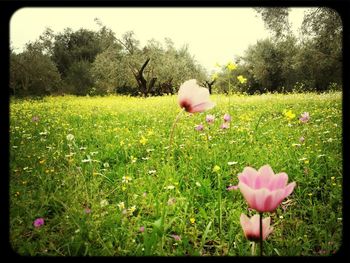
(97, 176)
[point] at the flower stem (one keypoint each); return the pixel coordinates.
(172, 130)
(261, 234)
(220, 207)
(253, 248)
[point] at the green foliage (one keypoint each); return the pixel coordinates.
(324, 26)
(110, 71)
(170, 65)
(271, 65)
(285, 63)
(276, 20)
(33, 73)
(70, 47)
(79, 80)
(321, 52)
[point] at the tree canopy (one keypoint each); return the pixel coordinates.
(90, 62)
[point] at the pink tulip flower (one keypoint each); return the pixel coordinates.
(251, 227)
(305, 117)
(194, 98)
(264, 190)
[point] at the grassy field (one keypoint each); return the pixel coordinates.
(100, 173)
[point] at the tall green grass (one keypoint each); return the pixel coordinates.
(118, 166)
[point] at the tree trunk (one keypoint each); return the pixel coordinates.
(141, 81)
(151, 85)
(166, 87)
(209, 85)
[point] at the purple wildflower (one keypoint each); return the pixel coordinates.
(210, 118)
(176, 237)
(225, 125)
(199, 127)
(227, 117)
(305, 117)
(38, 222)
(232, 187)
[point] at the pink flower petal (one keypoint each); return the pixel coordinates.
(277, 197)
(245, 222)
(248, 176)
(246, 225)
(193, 97)
(266, 227)
(266, 170)
(279, 181)
(262, 181)
(289, 189)
(263, 199)
(201, 95)
(255, 224)
(248, 193)
(202, 107)
(251, 227)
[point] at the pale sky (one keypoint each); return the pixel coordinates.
(213, 35)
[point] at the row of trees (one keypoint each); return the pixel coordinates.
(88, 62)
(285, 62)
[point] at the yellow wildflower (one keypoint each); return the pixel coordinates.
(289, 114)
(231, 66)
(241, 79)
(126, 179)
(133, 159)
(192, 220)
(150, 132)
(216, 168)
(131, 210)
(121, 205)
(143, 140)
